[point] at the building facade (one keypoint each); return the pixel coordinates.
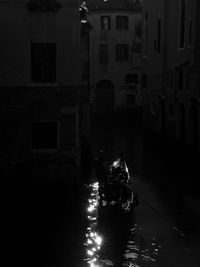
(115, 54)
(170, 69)
(41, 83)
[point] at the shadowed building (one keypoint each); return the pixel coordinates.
(115, 50)
(170, 68)
(41, 85)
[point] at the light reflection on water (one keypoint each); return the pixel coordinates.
(93, 239)
(137, 251)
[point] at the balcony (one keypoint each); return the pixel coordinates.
(44, 5)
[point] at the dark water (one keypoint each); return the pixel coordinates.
(47, 224)
(108, 230)
(41, 225)
(170, 168)
(168, 216)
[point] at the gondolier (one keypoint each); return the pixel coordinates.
(101, 169)
(119, 185)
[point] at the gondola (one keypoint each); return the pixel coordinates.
(118, 188)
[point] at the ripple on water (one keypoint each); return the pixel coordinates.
(107, 262)
(139, 251)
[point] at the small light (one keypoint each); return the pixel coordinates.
(89, 241)
(91, 209)
(92, 234)
(90, 252)
(115, 163)
(98, 240)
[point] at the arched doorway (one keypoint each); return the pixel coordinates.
(181, 123)
(105, 97)
(193, 127)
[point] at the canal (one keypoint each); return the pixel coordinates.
(164, 229)
(54, 224)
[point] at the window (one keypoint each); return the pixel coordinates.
(180, 80)
(144, 81)
(43, 63)
(103, 53)
(105, 22)
(158, 34)
(190, 33)
(138, 30)
(132, 78)
(130, 100)
(122, 52)
(122, 22)
(171, 79)
(44, 135)
(182, 23)
(167, 79)
(146, 33)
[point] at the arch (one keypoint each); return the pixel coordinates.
(193, 127)
(105, 97)
(181, 123)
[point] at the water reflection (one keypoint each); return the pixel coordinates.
(139, 251)
(93, 239)
(137, 248)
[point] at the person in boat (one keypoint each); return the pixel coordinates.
(101, 170)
